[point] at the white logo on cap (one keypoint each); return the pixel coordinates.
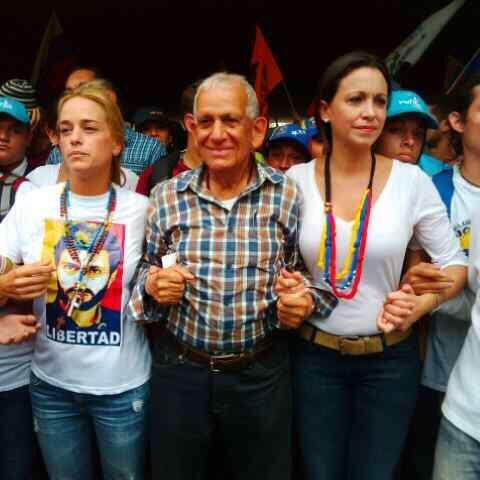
(5, 104)
(411, 101)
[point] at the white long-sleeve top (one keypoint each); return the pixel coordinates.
(408, 206)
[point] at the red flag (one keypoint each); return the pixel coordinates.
(267, 73)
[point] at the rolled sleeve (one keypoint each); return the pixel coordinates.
(141, 307)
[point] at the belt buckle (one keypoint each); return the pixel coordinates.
(349, 345)
(214, 358)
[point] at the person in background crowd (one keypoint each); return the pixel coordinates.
(153, 122)
(23, 91)
(356, 372)
(15, 136)
(16, 322)
(223, 359)
(139, 151)
(80, 75)
(315, 143)
(287, 146)
(178, 161)
(439, 141)
(405, 131)
(90, 368)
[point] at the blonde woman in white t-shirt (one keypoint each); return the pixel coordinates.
(356, 372)
(90, 368)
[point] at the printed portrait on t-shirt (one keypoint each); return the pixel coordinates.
(84, 307)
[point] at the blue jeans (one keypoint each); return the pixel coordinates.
(64, 422)
(457, 456)
(352, 412)
(16, 434)
(242, 419)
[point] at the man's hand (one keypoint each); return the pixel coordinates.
(295, 303)
(15, 328)
(166, 285)
(27, 281)
(427, 278)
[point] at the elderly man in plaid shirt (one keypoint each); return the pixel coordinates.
(218, 240)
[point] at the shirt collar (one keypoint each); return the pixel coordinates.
(19, 170)
(193, 179)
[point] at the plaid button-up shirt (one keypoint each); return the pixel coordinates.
(235, 256)
(139, 152)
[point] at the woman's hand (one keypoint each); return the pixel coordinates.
(398, 312)
(16, 328)
(403, 308)
(27, 281)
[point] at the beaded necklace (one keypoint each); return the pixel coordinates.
(327, 257)
(94, 248)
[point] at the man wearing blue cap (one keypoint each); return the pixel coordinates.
(405, 132)
(287, 146)
(15, 136)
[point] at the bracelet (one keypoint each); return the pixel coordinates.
(438, 300)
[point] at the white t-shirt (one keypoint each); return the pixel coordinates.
(409, 204)
(48, 175)
(448, 329)
(96, 351)
(14, 363)
(462, 401)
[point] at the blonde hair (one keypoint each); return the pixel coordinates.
(102, 97)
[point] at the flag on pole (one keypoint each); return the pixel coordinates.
(267, 73)
(54, 61)
(414, 46)
(53, 29)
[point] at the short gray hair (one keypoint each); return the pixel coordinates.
(222, 79)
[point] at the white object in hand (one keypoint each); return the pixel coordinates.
(169, 260)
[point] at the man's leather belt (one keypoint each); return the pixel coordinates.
(361, 345)
(226, 363)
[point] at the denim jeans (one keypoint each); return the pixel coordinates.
(457, 456)
(64, 421)
(16, 434)
(352, 413)
(417, 457)
(242, 420)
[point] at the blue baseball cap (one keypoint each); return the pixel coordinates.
(403, 102)
(311, 127)
(15, 109)
(291, 132)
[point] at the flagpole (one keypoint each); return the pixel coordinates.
(295, 115)
(462, 73)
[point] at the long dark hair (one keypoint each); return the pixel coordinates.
(334, 74)
(461, 101)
